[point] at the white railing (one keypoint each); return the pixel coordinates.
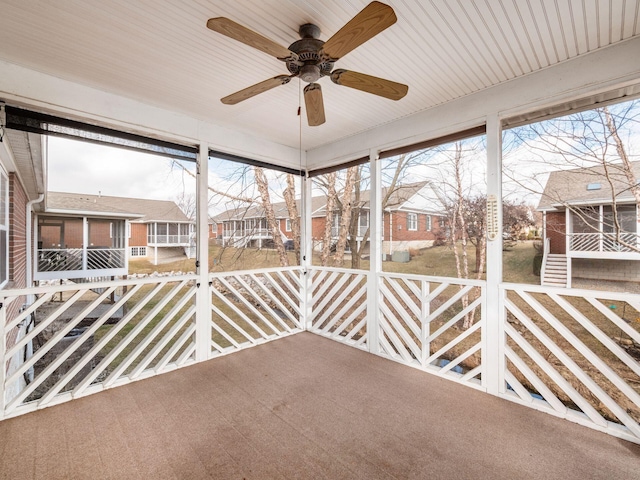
(72, 341)
(434, 323)
(79, 262)
(249, 308)
(604, 242)
(574, 354)
(59, 260)
(545, 256)
(168, 239)
(337, 305)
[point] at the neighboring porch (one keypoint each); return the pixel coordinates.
(251, 232)
(582, 241)
(304, 407)
(80, 247)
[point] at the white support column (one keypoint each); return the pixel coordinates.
(494, 313)
(85, 243)
(375, 246)
(306, 245)
(203, 297)
(568, 235)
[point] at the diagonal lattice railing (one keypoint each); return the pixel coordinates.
(575, 354)
(433, 323)
(338, 304)
(249, 308)
(77, 339)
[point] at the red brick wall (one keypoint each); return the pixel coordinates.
(138, 235)
(99, 233)
(17, 233)
(556, 230)
(17, 249)
(401, 231)
(317, 227)
(50, 235)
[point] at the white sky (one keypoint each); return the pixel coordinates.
(80, 167)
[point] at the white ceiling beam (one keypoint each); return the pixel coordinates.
(601, 70)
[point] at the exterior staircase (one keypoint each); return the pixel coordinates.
(554, 271)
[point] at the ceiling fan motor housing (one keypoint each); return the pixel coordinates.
(309, 65)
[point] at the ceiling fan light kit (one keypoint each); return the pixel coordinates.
(311, 58)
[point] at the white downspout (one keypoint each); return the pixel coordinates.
(31, 252)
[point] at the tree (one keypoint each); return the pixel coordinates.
(289, 194)
(263, 188)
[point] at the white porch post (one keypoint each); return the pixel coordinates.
(85, 242)
(375, 247)
(306, 245)
(494, 314)
(568, 235)
(203, 297)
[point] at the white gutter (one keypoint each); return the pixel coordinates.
(30, 251)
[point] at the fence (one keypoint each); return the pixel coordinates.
(571, 353)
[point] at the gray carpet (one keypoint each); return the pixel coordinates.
(303, 407)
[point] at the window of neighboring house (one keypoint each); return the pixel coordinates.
(287, 225)
(138, 251)
(4, 229)
(412, 221)
(428, 223)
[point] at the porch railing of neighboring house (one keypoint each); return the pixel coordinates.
(74, 259)
(169, 239)
(254, 233)
(571, 353)
(604, 242)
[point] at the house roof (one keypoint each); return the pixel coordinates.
(256, 210)
(586, 186)
(398, 198)
(138, 209)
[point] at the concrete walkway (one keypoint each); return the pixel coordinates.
(304, 407)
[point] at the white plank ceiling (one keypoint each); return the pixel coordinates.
(160, 52)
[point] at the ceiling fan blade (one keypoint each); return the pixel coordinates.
(369, 84)
(242, 34)
(371, 20)
(314, 104)
(256, 89)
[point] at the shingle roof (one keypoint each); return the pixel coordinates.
(257, 211)
(139, 209)
(570, 186)
(398, 197)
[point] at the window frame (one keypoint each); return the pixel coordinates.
(412, 222)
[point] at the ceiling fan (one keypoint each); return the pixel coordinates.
(310, 58)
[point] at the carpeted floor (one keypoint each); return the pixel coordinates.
(304, 407)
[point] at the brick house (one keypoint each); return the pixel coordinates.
(412, 219)
(581, 239)
(111, 230)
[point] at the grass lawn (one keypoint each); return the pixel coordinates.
(434, 261)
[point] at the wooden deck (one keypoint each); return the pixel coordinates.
(303, 407)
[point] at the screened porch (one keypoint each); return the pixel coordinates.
(316, 367)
